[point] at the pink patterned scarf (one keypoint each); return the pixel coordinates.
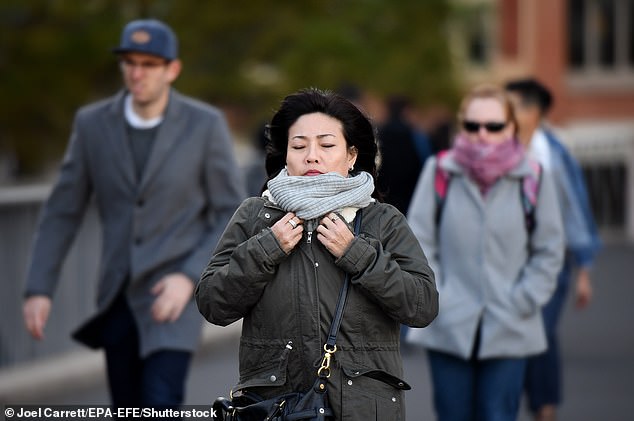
(485, 163)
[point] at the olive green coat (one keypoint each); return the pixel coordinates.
(291, 298)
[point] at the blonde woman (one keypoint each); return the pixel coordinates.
(488, 219)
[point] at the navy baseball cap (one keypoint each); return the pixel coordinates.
(149, 36)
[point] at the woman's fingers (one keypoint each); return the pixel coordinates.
(334, 234)
(288, 231)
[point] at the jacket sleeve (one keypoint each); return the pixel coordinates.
(60, 218)
(225, 190)
(393, 269)
(582, 238)
(546, 252)
(421, 217)
(240, 268)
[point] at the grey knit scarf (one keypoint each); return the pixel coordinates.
(315, 196)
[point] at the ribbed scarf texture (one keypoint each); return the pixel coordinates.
(485, 163)
(311, 197)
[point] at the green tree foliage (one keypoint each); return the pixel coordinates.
(54, 56)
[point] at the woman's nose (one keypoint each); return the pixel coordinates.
(311, 155)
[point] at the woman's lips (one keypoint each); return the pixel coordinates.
(313, 172)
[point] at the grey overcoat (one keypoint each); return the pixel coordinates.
(169, 221)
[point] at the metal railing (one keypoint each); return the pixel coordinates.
(74, 298)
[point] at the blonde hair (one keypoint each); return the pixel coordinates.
(489, 91)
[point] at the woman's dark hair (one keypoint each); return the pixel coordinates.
(357, 129)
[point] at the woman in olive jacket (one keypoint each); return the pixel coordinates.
(283, 258)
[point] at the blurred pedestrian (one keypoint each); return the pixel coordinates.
(255, 170)
(161, 169)
(400, 160)
(422, 141)
(282, 261)
(488, 219)
(532, 102)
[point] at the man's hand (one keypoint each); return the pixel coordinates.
(35, 311)
(583, 289)
(173, 292)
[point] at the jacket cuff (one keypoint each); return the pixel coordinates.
(271, 247)
(583, 257)
(31, 293)
(356, 258)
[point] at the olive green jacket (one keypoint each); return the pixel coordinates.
(287, 302)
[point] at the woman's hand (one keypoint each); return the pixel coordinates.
(334, 233)
(288, 231)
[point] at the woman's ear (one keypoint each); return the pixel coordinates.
(353, 152)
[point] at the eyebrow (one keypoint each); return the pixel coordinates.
(319, 136)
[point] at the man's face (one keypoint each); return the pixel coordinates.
(148, 77)
(527, 113)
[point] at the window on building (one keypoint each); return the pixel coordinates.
(630, 36)
(601, 35)
(478, 39)
(472, 23)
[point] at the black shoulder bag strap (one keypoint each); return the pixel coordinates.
(330, 346)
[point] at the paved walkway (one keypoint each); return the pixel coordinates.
(598, 347)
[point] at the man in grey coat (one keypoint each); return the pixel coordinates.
(161, 169)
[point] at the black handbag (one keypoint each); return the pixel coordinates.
(311, 405)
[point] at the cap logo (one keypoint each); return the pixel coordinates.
(140, 37)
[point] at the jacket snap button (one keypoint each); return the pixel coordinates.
(349, 382)
(273, 378)
(393, 399)
(267, 215)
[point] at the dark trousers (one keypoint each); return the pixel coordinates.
(157, 380)
(543, 371)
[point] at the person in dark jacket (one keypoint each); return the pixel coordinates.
(282, 260)
(401, 162)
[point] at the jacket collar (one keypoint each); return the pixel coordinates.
(168, 134)
(116, 134)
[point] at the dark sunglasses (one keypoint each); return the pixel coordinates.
(491, 126)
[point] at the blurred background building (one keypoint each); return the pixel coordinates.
(583, 50)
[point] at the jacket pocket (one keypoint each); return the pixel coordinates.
(269, 372)
(371, 394)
